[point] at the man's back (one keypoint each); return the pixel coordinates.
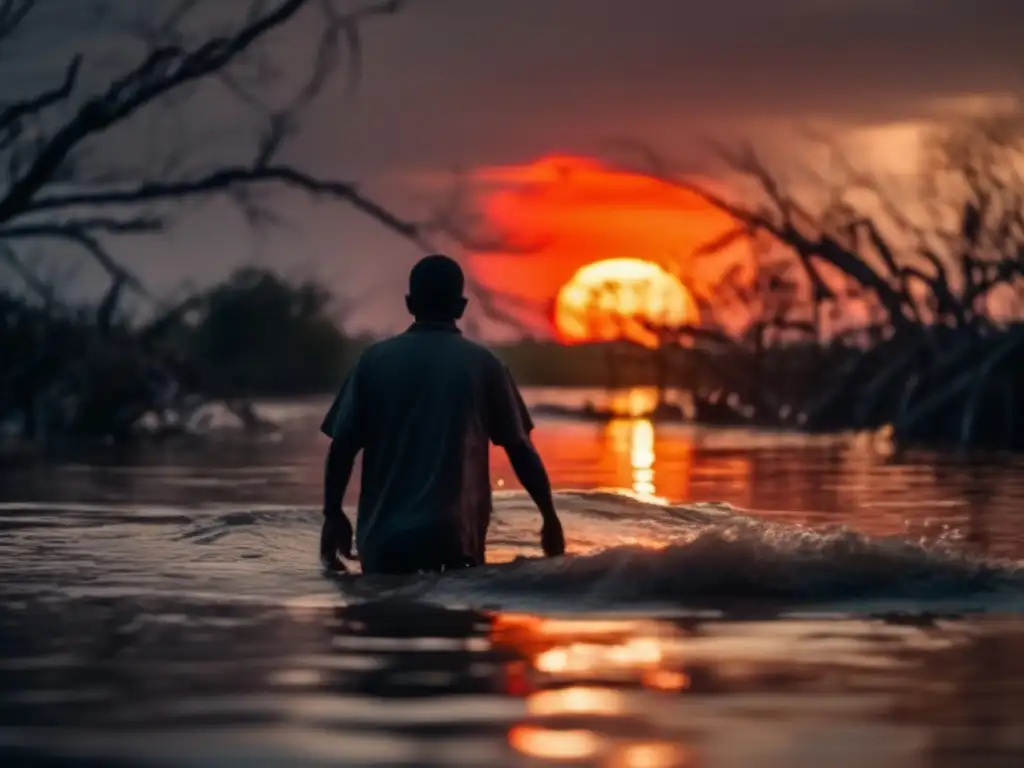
(424, 406)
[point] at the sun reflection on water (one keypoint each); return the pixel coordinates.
(634, 402)
(552, 744)
(573, 652)
(579, 677)
(633, 440)
(583, 657)
(642, 457)
(653, 755)
(576, 744)
(575, 700)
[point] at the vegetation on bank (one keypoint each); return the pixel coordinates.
(95, 372)
(869, 303)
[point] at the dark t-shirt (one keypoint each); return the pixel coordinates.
(424, 407)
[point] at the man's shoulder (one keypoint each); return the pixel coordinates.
(447, 349)
(480, 350)
(483, 358)
(383, 348)
(378, 347)
(454, 342)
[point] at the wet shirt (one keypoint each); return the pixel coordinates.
(424, 407)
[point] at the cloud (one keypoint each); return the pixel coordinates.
(505, 80)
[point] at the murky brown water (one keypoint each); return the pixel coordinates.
(164, 607)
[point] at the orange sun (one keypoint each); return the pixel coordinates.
(559, 213)
(621, 299)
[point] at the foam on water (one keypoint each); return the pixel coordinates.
(625, 553)
(758, 562)
(718, 557)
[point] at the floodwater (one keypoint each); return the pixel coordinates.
(731, 598)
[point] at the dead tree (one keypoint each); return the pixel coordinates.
(923, 271)
(66, 184)
(60, 183)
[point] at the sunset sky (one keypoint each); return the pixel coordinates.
(564, 212)
(479, 85)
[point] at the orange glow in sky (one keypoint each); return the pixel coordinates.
(563, 213)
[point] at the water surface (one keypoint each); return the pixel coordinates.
(732, 599)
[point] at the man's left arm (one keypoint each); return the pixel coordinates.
(510, 427)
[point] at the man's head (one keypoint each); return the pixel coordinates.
(435, 289)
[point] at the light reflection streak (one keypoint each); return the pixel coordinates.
(666, 680)
(588, 657)
(642, 457)
(633, 441)
(298, 678)
(634, 447)
(536, 625)
(634, 402)
(632, 438)
(578, 649)
(574, 669)
(576, 700)
(548, 744)
(652, 755)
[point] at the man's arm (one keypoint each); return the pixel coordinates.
(510, 427)
(336, 534)
(529, 468)
(344, 425)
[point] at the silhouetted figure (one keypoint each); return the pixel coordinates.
(423, 407)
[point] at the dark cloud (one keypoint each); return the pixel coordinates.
(497, 79)
(483, 81)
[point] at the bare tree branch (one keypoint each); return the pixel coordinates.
(162, 71)
(84, 239)
(133, 226)
(221, 180)
(12, 14)
(38, 286)
(12, 114)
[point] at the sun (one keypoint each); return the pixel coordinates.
(620, 299)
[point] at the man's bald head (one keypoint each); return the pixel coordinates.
(436, 285)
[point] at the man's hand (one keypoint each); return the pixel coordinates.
(552, 538)
(336, 542)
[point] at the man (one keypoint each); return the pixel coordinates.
(423, 407)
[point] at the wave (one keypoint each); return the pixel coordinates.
(738, 564)
(721, 557)
(630, 554)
